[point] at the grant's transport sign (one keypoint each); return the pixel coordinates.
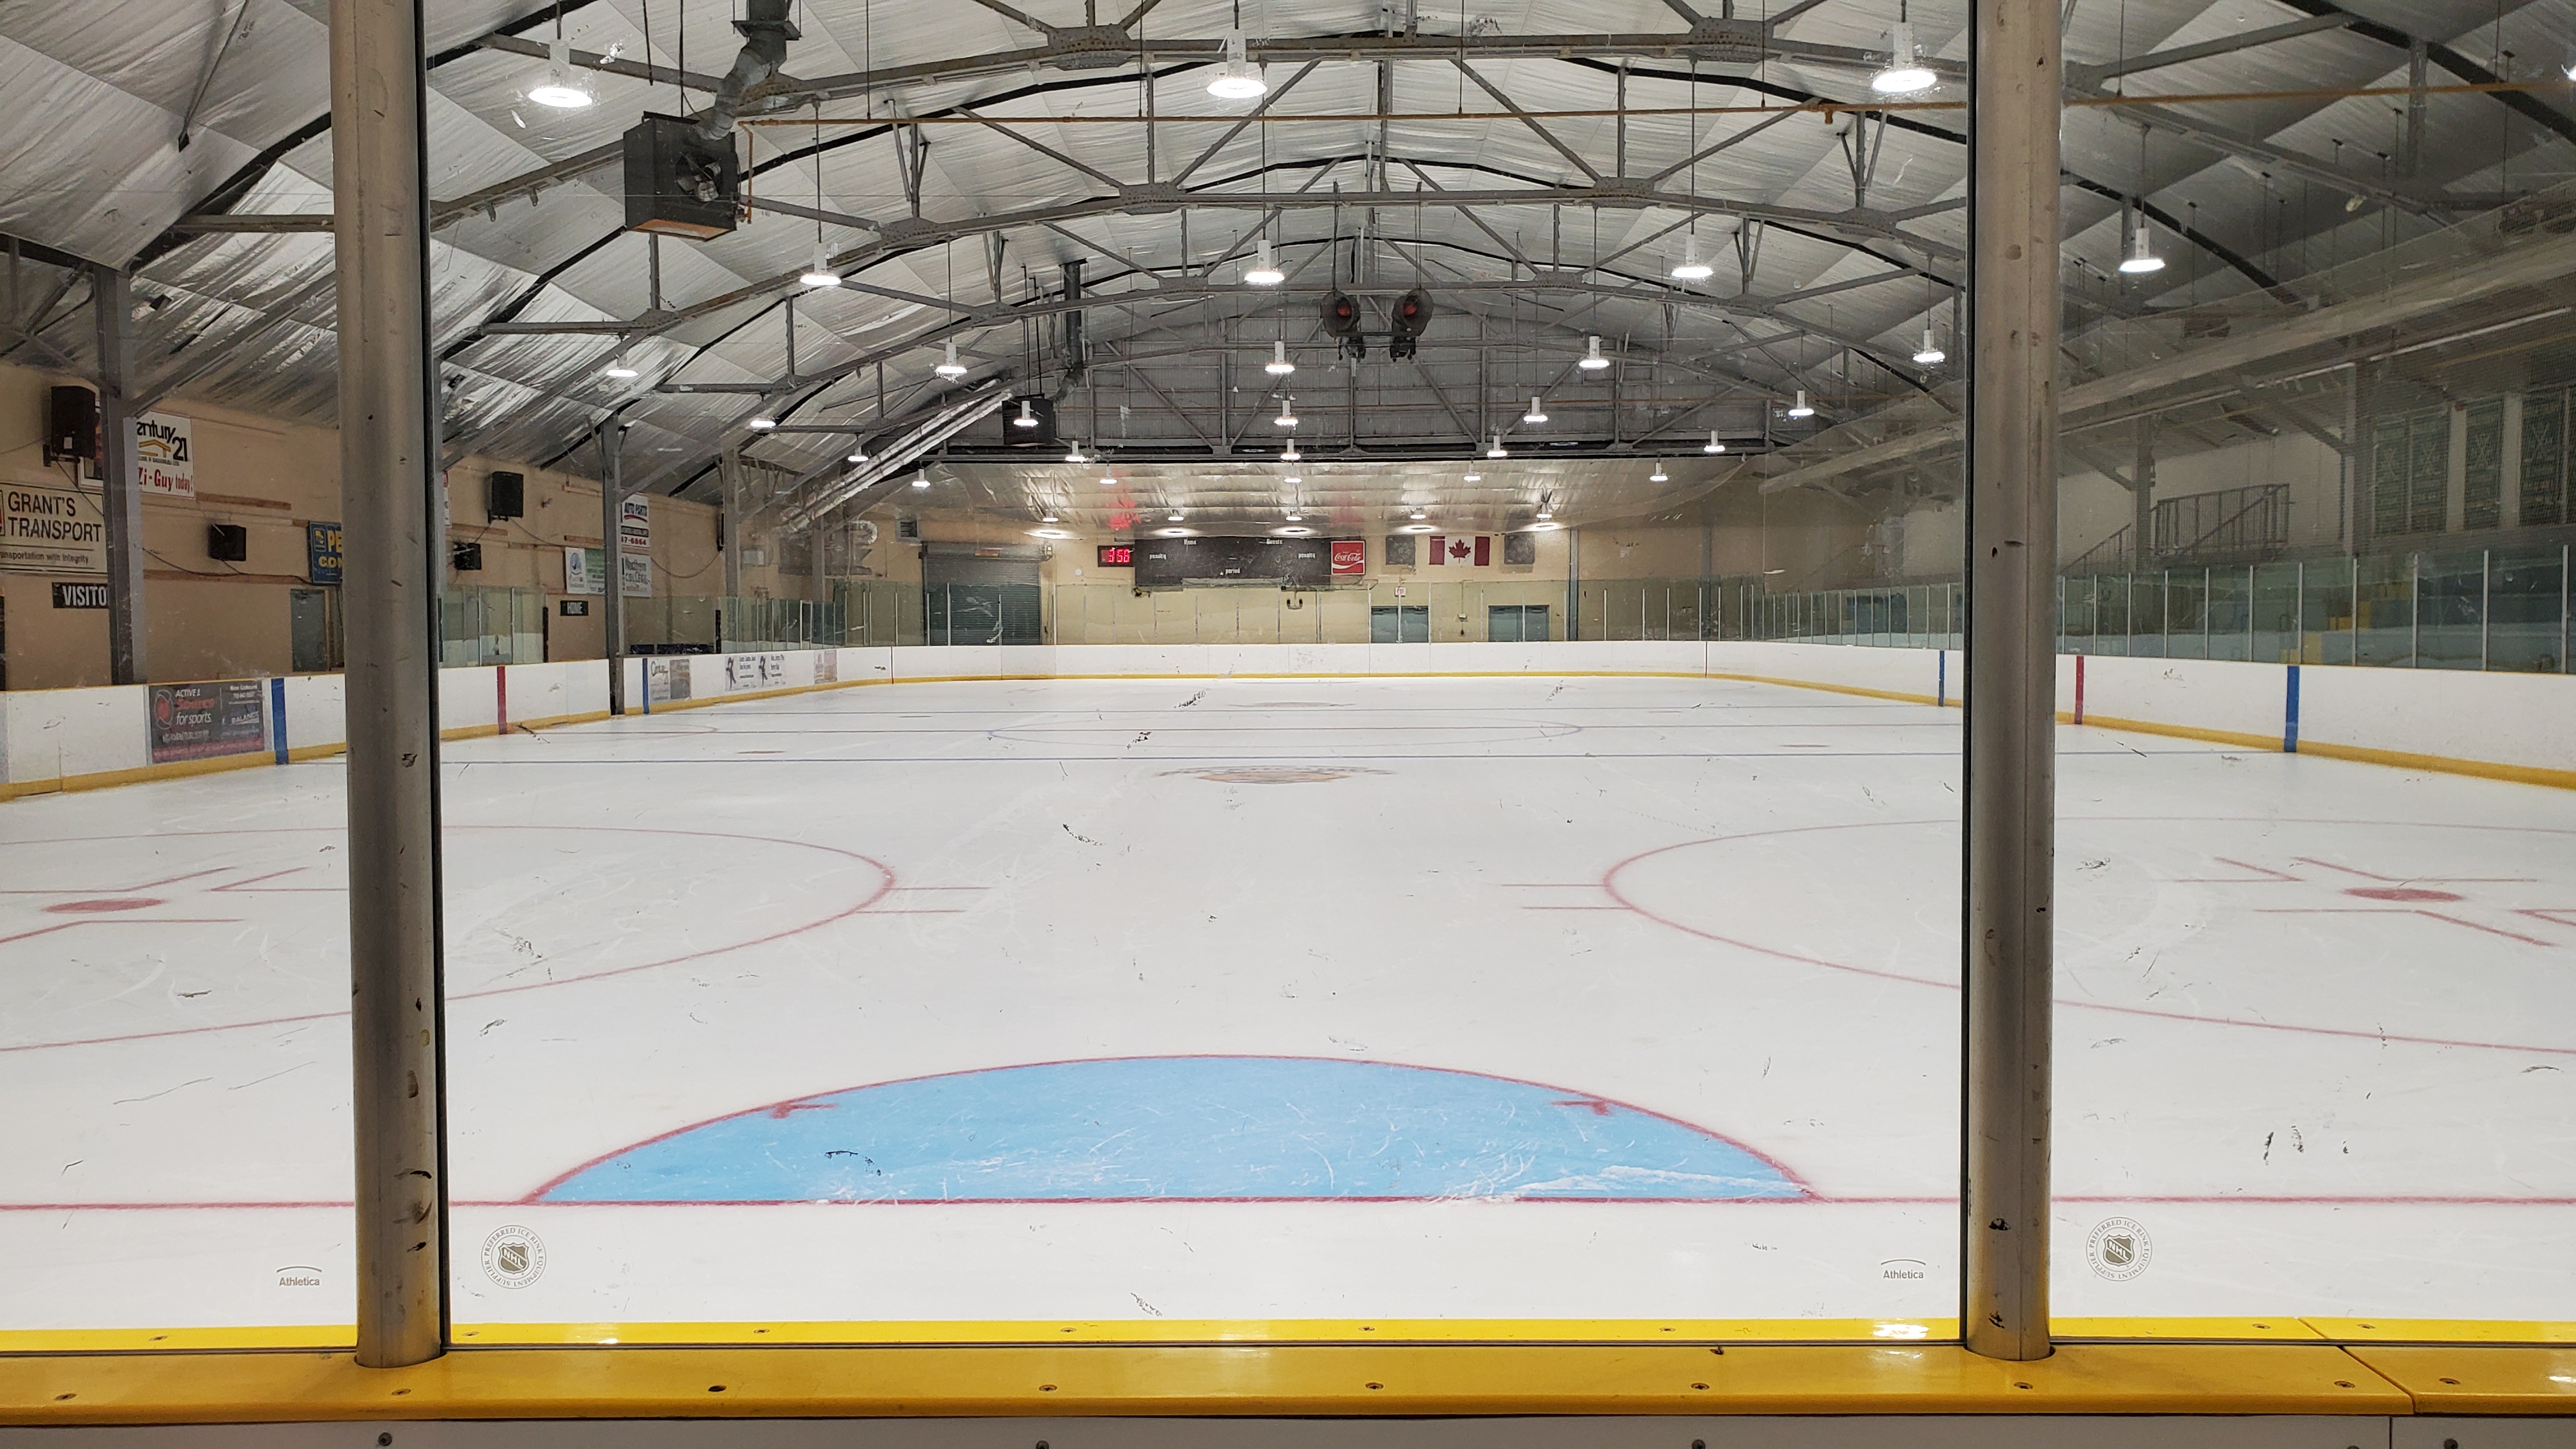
(50, 531)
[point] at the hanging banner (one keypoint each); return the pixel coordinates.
(50, 531)
(162, 461)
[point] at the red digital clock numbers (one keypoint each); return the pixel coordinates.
(1117, 555)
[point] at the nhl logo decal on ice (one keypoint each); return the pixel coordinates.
(2119, 1249)
(514, 1257)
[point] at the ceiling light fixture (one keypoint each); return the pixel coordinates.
(1905, 73)
(1419, 515)
(1472, 476)
(618, 367)
(1715, 445)
(1028, 417)
(1690, 268)
(1799, 409)
(1051, 533)
(1287, 414)
(859, 455)
(820, 274)
(1108, 477)
(923, 481)
(1659, 475)
(763, 423)
(1593, 361)
(1496, 451)
(1930, 354)
(1294, 531)
(1171, 533)
(1279, 365)
(949, 367)
(1073, 454)
(2142, 257)
(1538, 410)
(1296, 518)
(1290, 454)
(1238, 79)
(560, 88)
(1175, 518)
(1050, 518)
(1264, 271)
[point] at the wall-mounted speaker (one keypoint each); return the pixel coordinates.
(505, 495)
(71, 429)
(467, 558)
(227, 542)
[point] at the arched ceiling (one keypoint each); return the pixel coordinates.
(1537, 167)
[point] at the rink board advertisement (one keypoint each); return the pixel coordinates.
(200, 721)
(755, 671)
(50, 531)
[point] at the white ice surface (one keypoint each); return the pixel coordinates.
(1734, 904)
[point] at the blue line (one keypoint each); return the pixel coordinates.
(1941, 679)
(2290, 716)
(277, 716)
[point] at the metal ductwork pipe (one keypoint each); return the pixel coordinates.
(1073, 353)
(947, 424)
(765, 31)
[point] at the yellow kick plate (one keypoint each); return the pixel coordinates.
(1215, 1331)
(2478, 1379)
(2444, 1330)
(1246, 1379)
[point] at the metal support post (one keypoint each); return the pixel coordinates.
(388, 474)
(120, 499)
(2014, 81)
(612, 562)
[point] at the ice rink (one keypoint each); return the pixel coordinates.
(1117, 1001)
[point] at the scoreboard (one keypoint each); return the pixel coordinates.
(1117, 556)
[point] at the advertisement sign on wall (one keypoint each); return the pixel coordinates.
(322, 552)
(50, 531)
(162, 460)
(586, 572)
(198, 721)
(1350, 557)
(665, 679)
(755, 671)
(634, 526)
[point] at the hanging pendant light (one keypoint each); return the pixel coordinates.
(1287, 414)
(1264, 272)
(1690, 268)
(561, 88)
(949, 367)
(922, 481)
(1279, 365)
(1593, 361)
(2142, 257)
(1028, 417)
(1715, 443)
(1905, 73)
(1471, 475)
(1538, 411)
(1496, 451)
(762, 423)
(1290, 454)
(858, 455)
(1930, 354)
(820, 274)
(619, 368)
(1073, 454)
(1659, 475)
(1238, 79)
(1799, 409)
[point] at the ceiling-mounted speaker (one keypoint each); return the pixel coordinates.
(1341, 319)
(1412, 317)
(678, 182)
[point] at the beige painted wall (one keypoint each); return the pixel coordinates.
(209, 619)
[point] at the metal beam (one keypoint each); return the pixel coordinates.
(2091, 77)
(120, 497)
(395, 562)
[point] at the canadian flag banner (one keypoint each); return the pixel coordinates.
(1462, 550)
